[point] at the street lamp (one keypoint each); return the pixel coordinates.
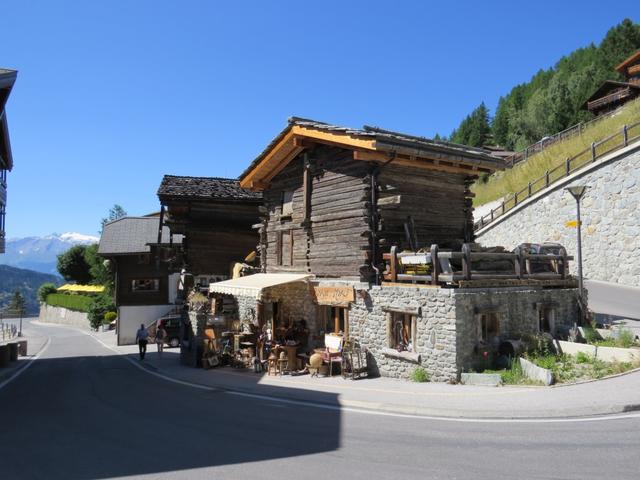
(578, 192)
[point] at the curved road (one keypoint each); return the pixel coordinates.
(81, 412)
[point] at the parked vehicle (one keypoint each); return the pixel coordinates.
(171, 324)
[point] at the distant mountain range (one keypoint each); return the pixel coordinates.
(40, 253)
(27, 281)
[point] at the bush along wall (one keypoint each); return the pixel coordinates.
(78, 303)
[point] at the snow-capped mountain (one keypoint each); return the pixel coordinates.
(39, 253)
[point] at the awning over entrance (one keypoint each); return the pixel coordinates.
(252, 285)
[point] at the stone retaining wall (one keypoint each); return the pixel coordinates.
(610, 218)
(63, 316)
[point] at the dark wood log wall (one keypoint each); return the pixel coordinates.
(439, 204)
(132, 267)
(337, 241)
(216, 235)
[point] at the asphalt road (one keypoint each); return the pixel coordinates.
(81, 412)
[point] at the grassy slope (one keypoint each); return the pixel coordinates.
(517, 178)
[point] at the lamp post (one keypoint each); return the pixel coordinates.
(578, 192)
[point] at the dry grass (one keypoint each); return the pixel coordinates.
(505, 183)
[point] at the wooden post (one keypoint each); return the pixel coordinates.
(515, 199)
(492, 214)
(625, 136)
(503, 207)
(563, 267)
(306, 186)
(546, 178)
(161, 224)
(435, 264)
(529, 188)
(393, 263)
(466, 261)
(518, 262)
(593, 151)
(567, 165)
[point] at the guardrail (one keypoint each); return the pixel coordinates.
(621, 139)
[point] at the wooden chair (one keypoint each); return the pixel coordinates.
(333, 350)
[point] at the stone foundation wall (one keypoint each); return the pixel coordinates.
(62, 316)
(517, 310)
(610, 220)
(436, 330)
(296, 302)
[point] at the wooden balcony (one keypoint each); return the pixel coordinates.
(479, 269)
(614, 97)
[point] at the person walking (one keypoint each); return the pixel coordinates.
(142, 337)
(161, 334)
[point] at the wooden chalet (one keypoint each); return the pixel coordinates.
(338, 198)
(7, 79)
(145, 287)
(365, 240)
(612, 93)
(215, 217)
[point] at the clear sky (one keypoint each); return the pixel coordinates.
(112, 95)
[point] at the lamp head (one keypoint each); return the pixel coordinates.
(577, 191)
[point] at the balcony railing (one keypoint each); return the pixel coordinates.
(611, 98)
(463, 268)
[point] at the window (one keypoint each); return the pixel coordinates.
(145, 285)
(546, 319)
(285, 248)
(287, 203)
(488, 326)
(401, 331)
(333, 319)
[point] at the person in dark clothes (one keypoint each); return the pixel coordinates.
(142, 338)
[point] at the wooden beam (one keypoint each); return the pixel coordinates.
(342, 139)
(419, 162)
(268, 158)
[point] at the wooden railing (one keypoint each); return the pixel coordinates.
(597, 150)
(448, 267)
(612, 97)
(547, 141)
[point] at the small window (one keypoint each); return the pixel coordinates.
(402, 331)
(145, 285)
(546, 319)
(489, 326)
(287, 203)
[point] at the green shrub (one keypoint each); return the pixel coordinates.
(591, 335)
(78, 303)
(419, 375)
(582, 357)
(110, 317)
(100, 305)
(626, 338)
(45, 290)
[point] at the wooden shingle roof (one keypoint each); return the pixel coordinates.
(205, 188)
(368, 144)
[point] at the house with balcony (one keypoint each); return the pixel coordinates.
(7, 79)
(366, 234)
(614, 93)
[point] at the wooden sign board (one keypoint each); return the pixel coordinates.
(334, 295)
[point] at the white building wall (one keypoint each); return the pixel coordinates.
(130, 318)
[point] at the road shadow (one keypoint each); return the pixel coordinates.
(93, 417)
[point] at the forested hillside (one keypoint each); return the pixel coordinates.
(551, 101)
(27, 281)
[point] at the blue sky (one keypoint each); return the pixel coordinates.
(112, 95)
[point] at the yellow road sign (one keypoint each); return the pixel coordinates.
(571, 224)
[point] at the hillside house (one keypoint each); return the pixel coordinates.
(7, 79)
(146, 285)
(612, 93)
(339, 204)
